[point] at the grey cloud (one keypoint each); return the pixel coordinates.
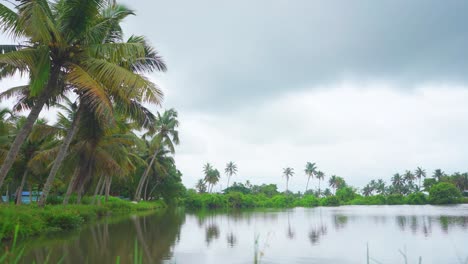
(222, 54)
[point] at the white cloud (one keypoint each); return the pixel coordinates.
(359, 131)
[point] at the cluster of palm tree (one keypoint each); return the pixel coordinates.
(400, 184)
(311, 172)
(77, 60)
(212, 176)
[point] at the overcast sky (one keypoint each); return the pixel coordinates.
(363, 88)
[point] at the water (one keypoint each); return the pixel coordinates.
(437, 234)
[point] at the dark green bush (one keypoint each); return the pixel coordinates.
(416, 198)
(394, 199)
(346, 194)
(444, 193)
(330, 201)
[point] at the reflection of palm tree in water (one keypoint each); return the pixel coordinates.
(318, 231)
(211, 232)
(290, 232)
(231, 238)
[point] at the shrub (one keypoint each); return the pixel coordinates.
(368, 200)
(307, 201)
(330, 201)
(346, 194)
(444, 193)
(416, 198)
(394, 199)
(235, 199)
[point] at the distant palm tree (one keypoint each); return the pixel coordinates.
(288, 172)
(212, 175)
(409, 177)
(420, 173)
(310, 171)
(320, 176)
(201, 186)
(213, 178)
(334, 182)
(397, 182)
(438, 174)
(380, 186)
(231, 169)
(367, 190)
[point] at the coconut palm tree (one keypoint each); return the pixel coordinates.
(398, 182)
(420, 173)
(310, 171)
(166, 135)
(201, 186)
(212, 176)
(64, 51)
(288, 173)
(320, 176)
(231, 169)
(409, 177)
(367, 190)
(438, 174)
(380, 186)
(333, 182)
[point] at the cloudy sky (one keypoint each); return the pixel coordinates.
(363, 88)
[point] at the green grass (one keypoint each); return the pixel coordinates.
(33, 220)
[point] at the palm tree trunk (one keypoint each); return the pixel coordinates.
(307, 185)
(145, 197)
(228, 181)
(96, 190)
(20, 188)
(287, 181)
(319, 189)
(108, 185)
(80, 194)
(60, 156)
(71, 185)
(24, 132)
(143, 178)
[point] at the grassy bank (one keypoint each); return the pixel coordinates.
(33, 220)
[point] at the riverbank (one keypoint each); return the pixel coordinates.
(345, 197)
(33, 220)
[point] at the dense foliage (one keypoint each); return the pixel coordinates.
(105, 140)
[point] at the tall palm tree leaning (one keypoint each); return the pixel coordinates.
(310, 171)
(287, 173)
(420, 173)
(167, 136)
(124, 96)
(231, 169)
(320, 176)
(63, 52)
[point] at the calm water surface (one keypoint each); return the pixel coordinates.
(437, 234)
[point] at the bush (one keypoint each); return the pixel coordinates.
(330, 201)
(394, 199)
(416, 198)
(307, 201)
(346, 194)
(444, 193)
(368, 200)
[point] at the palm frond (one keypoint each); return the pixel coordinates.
(9, 22)
(91, 91)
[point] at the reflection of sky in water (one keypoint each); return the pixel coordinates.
(328, 235)
(438, 234)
